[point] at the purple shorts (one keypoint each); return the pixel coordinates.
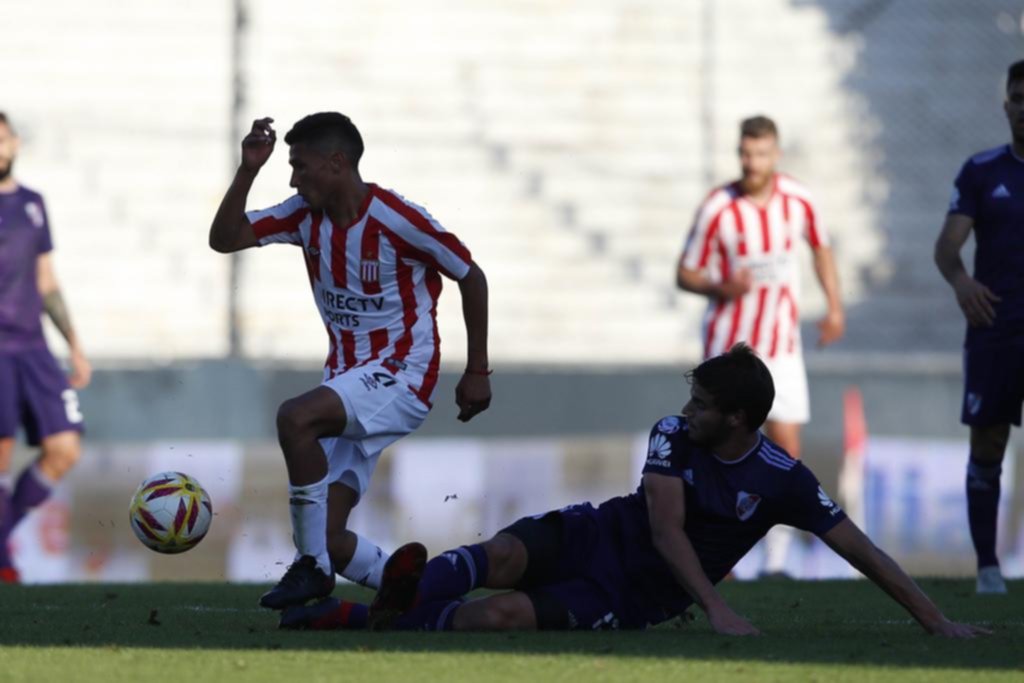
(574, 575)
(34, 393)
(993, 385)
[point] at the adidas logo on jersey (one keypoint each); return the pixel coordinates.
(827, 502)
(1001, 192)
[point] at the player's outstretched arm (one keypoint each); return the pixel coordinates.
(666, 508)
(473, 393)
(231, 230)
(975, 299)
(832, 327)
(53, 303)
(856, 548)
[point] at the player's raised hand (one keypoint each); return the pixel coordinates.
(831, 328)
(472, 395)
(976, 301)
(738, 284)
(952, 629)
(728, 623)
(258, 145)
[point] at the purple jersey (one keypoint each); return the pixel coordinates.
(24, 235)
(729, 507)
(990, 190)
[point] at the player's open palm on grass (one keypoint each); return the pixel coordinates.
(728, 623)
(258, 145)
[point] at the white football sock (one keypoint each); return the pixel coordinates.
(308, 505)
(776, 548)
(367, 564)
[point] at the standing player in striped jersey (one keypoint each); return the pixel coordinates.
(741, 255)
(375, 262)
(988, 198)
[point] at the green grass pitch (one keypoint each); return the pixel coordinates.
(813, 631)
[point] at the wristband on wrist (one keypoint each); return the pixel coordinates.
(485, 373)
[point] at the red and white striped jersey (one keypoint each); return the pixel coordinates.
(731, 232)
(376, 281)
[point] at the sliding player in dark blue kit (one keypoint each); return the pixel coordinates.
(712, 487)
(988, 198)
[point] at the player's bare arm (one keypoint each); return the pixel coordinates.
(666, 506)
(856, 548)
(53, 303)
(473, 393)
(832, 327)
(231, 230)
(975, 299)
(695, 281)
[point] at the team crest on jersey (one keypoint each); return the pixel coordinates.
(369, 270)
(659, 447)
(746, 503)
(35, 214)
(669, 425)
(973, 403)
(688, 476)
(312, 251)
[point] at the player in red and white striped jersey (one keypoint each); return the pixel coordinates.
(374, 262)
(741, 254)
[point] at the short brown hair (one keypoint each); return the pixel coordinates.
(758, 127)
(738, 380)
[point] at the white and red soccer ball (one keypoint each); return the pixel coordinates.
(170, 512)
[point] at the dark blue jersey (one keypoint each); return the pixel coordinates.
(729, 507)
(990, 190)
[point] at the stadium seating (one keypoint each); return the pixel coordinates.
(567, 143)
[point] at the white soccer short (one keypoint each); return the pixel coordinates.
(792, 402)
(381, 409)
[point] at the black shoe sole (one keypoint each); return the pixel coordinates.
(398, 586)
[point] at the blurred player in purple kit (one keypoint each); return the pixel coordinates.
(34, 392)
(988, 198)
(712, 487)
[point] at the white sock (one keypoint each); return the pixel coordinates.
(776, 548)
(308, 506)
(367, 564)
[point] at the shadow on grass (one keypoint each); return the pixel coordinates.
(848, 622)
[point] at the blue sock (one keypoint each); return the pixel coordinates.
(454, 573)
(437, 615)
(983, 509)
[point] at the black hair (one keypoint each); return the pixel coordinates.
(1014, 73)
(7, 122)
(738, 380)
(329, 131)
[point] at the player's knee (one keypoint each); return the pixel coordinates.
(988, 444)
(505, 555)
(291, 420)
(60, 454)
(505, 615)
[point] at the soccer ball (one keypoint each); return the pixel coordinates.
(170, 512)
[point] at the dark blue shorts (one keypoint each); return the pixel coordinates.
(574, 574)
(993, 385)
(34, 393)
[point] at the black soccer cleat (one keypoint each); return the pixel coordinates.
(398, 586)
(303, 581)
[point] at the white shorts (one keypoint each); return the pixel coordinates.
(381, 409)
(792, 402)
